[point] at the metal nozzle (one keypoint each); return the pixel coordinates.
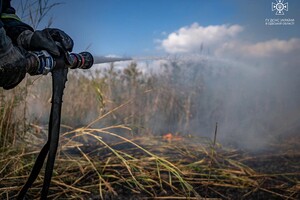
(83, 60)
(41, 60)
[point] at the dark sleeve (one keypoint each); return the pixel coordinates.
(11, 75)
(11, 22)
(1, 23)
(12, 62)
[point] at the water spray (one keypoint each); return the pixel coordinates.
(107, 59)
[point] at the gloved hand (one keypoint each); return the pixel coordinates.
(64, 39)
(14, 62)
(45, 40)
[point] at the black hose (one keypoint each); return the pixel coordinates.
(39, 162)
(59, 78)
(83, 60)
(35, 171)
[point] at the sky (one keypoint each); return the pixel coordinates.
(156, 27)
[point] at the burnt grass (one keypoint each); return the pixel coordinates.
(213, 171)
(275, 170)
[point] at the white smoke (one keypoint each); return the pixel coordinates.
(250, 86)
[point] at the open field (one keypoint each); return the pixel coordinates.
(147, 136)
(143, 129)
(99, 164)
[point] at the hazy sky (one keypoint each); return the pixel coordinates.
(151, 27)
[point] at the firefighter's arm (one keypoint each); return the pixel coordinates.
(14, 62)
(12, 23)
(23, 35)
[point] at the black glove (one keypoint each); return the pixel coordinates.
(15, 62)
(64, 39)
(45, 40)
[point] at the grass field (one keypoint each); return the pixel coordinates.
(127, 135)
(91, 165)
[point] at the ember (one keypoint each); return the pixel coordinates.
(170, 137)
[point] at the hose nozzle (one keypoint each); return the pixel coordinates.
(83, 60)
(41, 62)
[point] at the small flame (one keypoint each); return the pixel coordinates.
(170, 137)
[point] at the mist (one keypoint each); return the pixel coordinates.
(254, 103)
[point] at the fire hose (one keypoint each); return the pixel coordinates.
(59, 72)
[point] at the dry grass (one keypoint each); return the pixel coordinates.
(112, 163)
(97, 163)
